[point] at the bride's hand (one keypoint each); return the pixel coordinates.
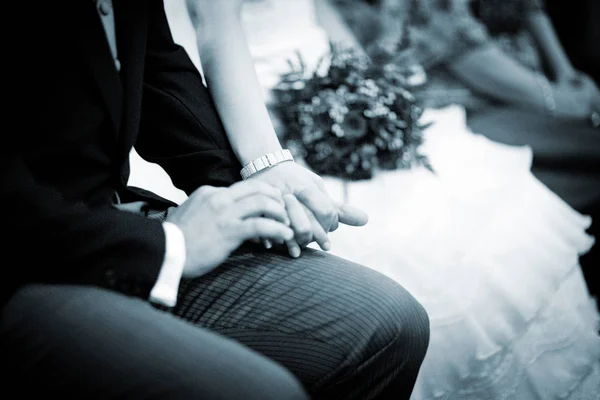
(312, 212)
(593, 92)
(572, 101)
(577, 98)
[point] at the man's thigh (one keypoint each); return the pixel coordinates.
(319, 315)
(87, 342)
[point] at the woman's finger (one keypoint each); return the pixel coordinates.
(319, 234)
(350, 215)
(299, 221)
(320, 205)
(293, 248)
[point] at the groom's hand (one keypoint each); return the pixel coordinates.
(312, 212)
(216, 221)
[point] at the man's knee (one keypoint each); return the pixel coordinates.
(403, 326)
(380, 314)
(388, 339)
(386, 320)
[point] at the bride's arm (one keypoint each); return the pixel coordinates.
(454, 38)
(545, 37)
(332, 22)
(542, 30)
(231, 78)
(232, 81)
(507, 81)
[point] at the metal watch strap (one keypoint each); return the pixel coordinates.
(267, 161)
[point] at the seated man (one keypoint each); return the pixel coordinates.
(117, 292)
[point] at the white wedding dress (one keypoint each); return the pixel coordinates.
(489, 251)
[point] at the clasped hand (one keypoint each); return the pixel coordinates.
(311, 210)
(577, 96)
(216, 221)
(285, 204)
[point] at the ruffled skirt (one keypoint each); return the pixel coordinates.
(492, 255)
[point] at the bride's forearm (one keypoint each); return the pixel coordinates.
(491, 72)
(334, 25)
(553, 53)
(232, 81)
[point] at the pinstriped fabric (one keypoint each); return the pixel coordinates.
(346, 331)
(82, 342)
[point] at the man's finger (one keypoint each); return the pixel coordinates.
(265, 228)
(259, 206)
(251, 187)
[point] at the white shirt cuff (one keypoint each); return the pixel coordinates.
(167, 285)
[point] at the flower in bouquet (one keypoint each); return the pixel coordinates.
(352, 119)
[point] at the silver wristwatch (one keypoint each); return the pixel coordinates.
(267, 161)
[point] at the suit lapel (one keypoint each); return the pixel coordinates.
(96, 51)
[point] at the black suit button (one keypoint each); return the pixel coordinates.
(136, 290)
(110, 277)
(125, 287)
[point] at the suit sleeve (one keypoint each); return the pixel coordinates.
(180, 128)
(48, 237)
(52, 240)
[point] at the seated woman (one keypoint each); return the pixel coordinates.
(458, 41)
(488, 250)
(502, 61)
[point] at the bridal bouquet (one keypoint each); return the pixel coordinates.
(352, 119)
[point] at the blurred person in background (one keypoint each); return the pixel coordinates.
(502, 61)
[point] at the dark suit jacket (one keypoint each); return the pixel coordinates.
(72, 121)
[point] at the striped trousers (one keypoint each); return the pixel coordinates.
(260, 326)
